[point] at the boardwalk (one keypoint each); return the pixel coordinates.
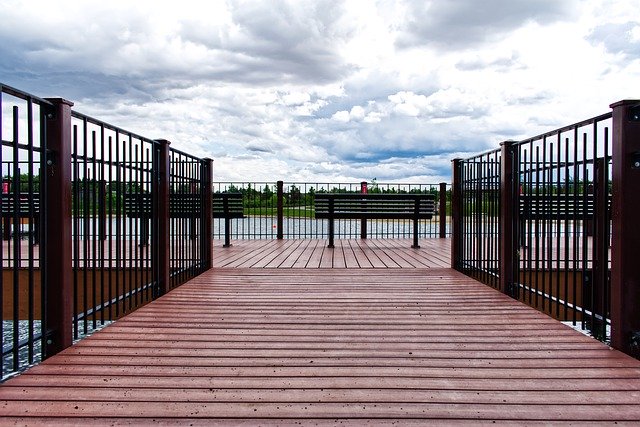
(350, 253)
(327, 346)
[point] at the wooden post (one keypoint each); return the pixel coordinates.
(207, 213)
(363, 222)
(58, 250)
(625, 268)
(280, 219)
(456, 214)
(164, 223)
(507, 246)
(443, 210)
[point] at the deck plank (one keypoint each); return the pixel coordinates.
(305, 256)
(271, 346)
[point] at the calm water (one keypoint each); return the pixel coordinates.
(266, 227)
(23, 336)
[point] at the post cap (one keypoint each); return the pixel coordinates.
(60, 101)
(625, 102)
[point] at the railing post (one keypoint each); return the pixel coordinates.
(443, 209)
(58, 271)
(164, 223)
(507, 248)
(207, 213)
(280, 219)
(456, 214)
(625, 268)
(363, 222)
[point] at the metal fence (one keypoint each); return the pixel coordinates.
(89, 228)
(562, 218)
(22, 127)
(537, 212)
(112, 263)
(479, 221)
(297, 221)
(187, 252)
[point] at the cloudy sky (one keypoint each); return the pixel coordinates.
(327, 91)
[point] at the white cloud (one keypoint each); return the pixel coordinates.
(409, 103)
(295, 98)
(341, 116)
(313, 90)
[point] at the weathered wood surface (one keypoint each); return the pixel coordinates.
(349, 253)
(279, 346)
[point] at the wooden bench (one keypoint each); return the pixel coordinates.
(374, 206)
(556, 206)
(23, 209)
(561, 207)
(227, 206)
(189, 206)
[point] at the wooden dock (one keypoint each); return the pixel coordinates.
(251, 344)
(348, 253)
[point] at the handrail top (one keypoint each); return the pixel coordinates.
(364, 196)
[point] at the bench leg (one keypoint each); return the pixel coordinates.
(144, 232)
(227, 233)
(331, 231)
(415, 235)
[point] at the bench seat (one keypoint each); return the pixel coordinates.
(186, 206)
(334, 206)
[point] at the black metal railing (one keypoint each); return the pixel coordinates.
(22, 127)
(186, 250)
(562, 220)
(288, 212)
(88, 235)
(112, 264)
(534, 221)
(480, 215)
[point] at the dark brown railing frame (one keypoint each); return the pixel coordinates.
(612, 164)
(86, 267)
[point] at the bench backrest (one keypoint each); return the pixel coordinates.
(228, 205)
(558, 206)
(381, 206)
(23, 206)
(224, 205)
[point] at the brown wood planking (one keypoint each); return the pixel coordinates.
(348, 253)
(135, 394)
(279, 345)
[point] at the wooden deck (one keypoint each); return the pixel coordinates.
(273, 346)
(351, 253)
